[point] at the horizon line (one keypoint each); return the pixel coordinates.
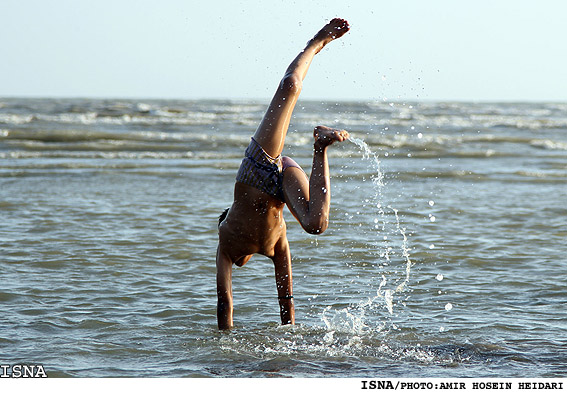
(266, 99)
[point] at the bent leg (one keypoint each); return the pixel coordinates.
(272, 130)
(310, 200)
(284, 281)
(224, 291)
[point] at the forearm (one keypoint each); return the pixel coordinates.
(224, 314)
(284, 282)
(224, 290)
(287, 310)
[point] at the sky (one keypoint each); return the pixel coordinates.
(497, 50)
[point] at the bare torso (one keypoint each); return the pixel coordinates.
(254, 224)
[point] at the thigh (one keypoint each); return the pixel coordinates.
(296, 192)
(272, 130)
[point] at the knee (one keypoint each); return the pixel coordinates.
(291, 84)
(315, 227)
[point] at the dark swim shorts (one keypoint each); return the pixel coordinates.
(265, 173)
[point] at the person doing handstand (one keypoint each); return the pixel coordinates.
(266, 181)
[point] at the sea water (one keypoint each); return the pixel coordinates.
(445, 254)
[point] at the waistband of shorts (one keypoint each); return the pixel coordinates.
(258, 154)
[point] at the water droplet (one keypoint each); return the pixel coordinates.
(432, 246)
(431, 203)
(328, 337)
(449, 306)
(441, 329)
(431, 218)
(419, 135)
(439, 277)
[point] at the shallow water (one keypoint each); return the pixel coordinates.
(445, 255)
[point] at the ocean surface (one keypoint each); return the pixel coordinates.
(446, 255)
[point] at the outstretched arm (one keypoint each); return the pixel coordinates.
(224, 291)
(284, 281)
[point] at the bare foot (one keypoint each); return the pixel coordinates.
(325, 136)
(336, 28)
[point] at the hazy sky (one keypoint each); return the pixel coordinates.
(480, 50)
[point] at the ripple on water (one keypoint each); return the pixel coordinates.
(291, 351)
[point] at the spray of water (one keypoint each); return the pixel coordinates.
(378, 176)
(389, 246)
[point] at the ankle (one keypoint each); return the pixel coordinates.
(319, 147)
(317, 43)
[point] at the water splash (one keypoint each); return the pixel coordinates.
(405, 252)
(387, 248)
(278, 345)
(378, 177)
(378, 185)
(345, 320)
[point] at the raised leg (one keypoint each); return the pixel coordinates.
(310, 201)
(272, 130)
